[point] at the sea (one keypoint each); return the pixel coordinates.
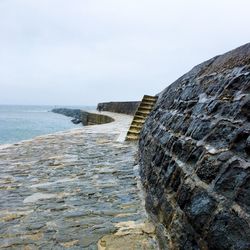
(19, 122)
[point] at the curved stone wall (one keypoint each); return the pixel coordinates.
(195, 156)
(94, 119)
(81, 116)
(128, 108)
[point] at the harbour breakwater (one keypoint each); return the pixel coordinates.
(81, 116)
(77, 189)
(195, 157)
(128, 108)
(92, 118)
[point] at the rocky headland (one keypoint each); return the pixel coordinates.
(195, 157)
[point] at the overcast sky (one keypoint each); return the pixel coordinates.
(89, 51)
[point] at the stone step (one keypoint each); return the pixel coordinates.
(134, 132)
(140, 117)
(141, 113)
(136, 126)
(144, 109)
(132, 137)
(148, 97)
(138, 122)
(148, 103)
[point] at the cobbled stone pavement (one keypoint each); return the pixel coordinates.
(70, 189)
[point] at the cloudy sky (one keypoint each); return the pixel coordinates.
(88, 51)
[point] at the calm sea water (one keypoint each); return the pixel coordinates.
(25, 122)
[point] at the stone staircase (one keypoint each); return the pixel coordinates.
(145, 107)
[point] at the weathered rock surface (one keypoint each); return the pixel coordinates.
(69, 189)
(195, 157)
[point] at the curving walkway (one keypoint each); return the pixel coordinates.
(70, 189)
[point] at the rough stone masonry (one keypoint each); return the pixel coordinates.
(195, 156)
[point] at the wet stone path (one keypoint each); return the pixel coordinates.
(68, 190)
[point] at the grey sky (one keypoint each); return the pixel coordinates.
(89, 51)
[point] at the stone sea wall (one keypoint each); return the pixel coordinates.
(195, 155)
(94, 119)
(128, 108)
(76, 114)
(86, 118)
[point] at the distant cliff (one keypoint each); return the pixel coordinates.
(195, 156)
(83, 117)
(128, 108)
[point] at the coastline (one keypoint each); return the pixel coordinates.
(89, 128)
(18, 123)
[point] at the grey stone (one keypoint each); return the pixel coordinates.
(199, 209)
(228, 231)
(201, 123)
(231, 179)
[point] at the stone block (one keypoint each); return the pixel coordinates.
(164, 139)
(158, 157)
(195, 155)
(241, 142)
(198, 129)
(170, 142)
(243, 194)
(208, 168)
(200, 208)
(214, 107)
(184, 194)
(168, 171)
(176, 179)
(230, 110)
(244, 113)
(199, 109)
(151, 204)
(228, 231)
(166, 211)
(188, 146)
(190, 92)
(216, 87)
(228, 183)
(222, 135)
